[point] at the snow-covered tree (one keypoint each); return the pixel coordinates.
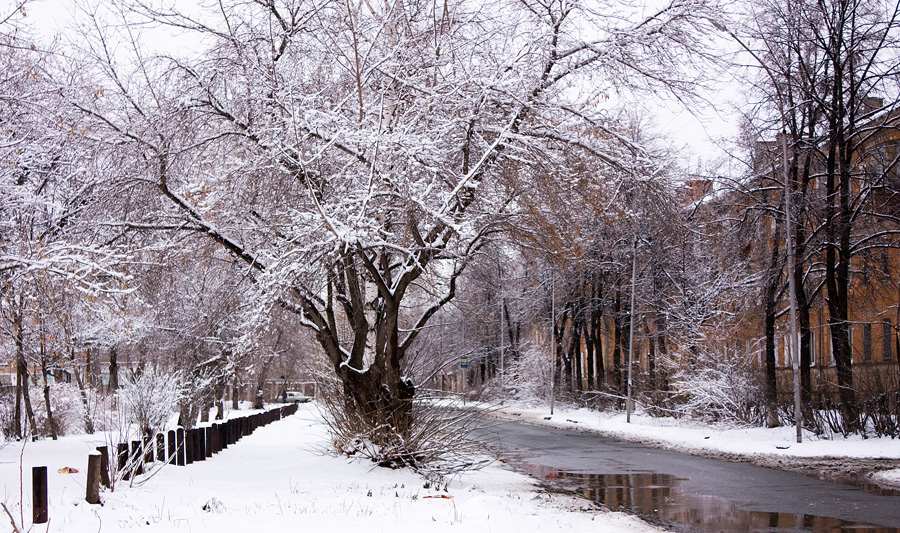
(348, 152)
(46, 186)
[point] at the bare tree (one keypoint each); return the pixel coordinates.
(829, 65)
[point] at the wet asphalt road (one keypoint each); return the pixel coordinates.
(616, 470)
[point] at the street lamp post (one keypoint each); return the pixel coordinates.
(628, 400)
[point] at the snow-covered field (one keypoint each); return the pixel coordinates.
(696, 437)
(279, 479)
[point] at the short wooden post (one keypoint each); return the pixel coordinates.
(171, 438)
(188, 446)
(148, 449)
(92, 489)
(104, 465)
(160, 447)
(201, 444)
(39, 494)
(181, 460)
(214, 437)
(122, 453)
(208, 439)
(136, 457)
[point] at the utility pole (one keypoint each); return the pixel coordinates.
(792, 288)
(631, 328)
(502, 361)
(552, 342)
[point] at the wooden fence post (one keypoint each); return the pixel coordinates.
(122, 453)
(104, 465)
(137, 457)
(188, 446)
(39, 494)
(179, 443)
(92, 489)
(171, 436)
(214, 437)
(200, 441)
(160, 447)
(208, 439)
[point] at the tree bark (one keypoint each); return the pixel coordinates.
(88, 420)
(113, 370)
(22, 373)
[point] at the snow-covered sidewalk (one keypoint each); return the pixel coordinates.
(695, 437)
(279, 479)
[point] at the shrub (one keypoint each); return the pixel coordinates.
(434, 440)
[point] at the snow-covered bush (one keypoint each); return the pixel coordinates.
(718, 386)
(7, 414)
(525, 378)
(65, 402)
(434, 442)
(150, 399)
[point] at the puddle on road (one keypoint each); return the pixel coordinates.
(657, 496)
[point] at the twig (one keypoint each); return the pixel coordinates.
(21, 482)
(11, 519)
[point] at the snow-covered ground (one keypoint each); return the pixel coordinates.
(703, 438)
(279, 479)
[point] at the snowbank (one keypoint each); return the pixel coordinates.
(702, 438)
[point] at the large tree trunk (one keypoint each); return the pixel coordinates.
(661, 328)
(619, 328)
(17, 419)
(51, 421)
(22, 375)
(589, 341)
(88, 420)
(771, 378)
(837, 258)
(651, 353)
(113, 370)
(235, 394)
(575, 354)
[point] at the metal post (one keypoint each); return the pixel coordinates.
(552, 343)
(502, 362)
(789, 242)
(631, 328)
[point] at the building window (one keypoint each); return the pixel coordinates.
(887, 337)
(867, 342)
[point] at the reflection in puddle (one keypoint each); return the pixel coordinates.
(657, 495)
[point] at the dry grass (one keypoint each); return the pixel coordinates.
(432, 437)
